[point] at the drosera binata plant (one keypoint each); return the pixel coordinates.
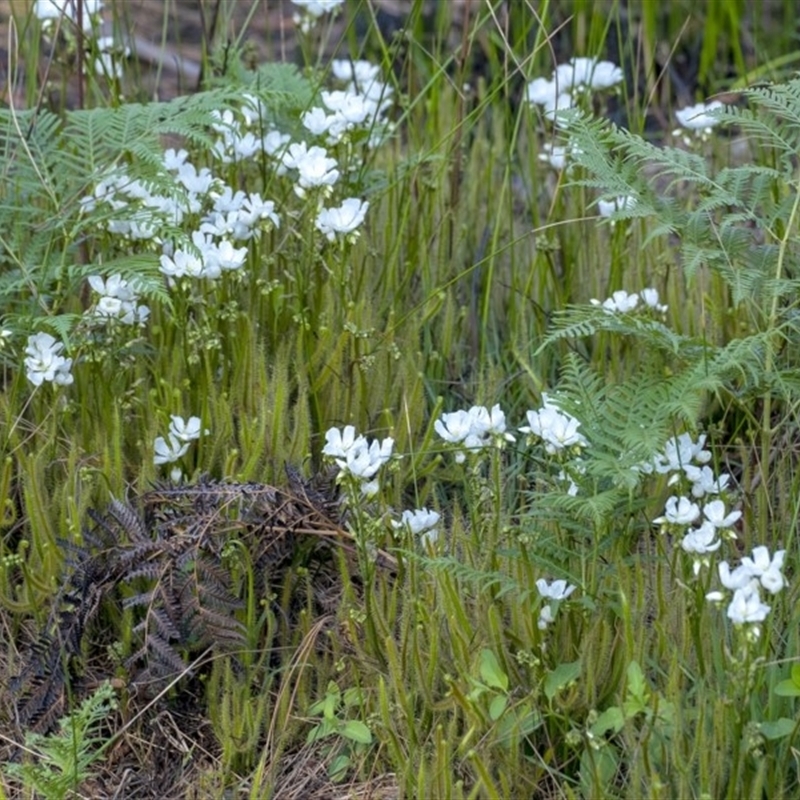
(379, 240)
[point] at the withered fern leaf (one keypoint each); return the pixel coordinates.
(164, 563)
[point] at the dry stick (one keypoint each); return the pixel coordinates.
(145, 51)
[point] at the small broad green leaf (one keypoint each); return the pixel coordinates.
(497, 707)
(637, 685)
(612, 719)
(597, 770)
(337, 771)
(560, 677)
(353, 697)
(787, 688)
(796, 675)
(637, 695)
(320, 731)
(356, 731)
(331, 701)
(491, 671)
(518, 721)
(778, 729)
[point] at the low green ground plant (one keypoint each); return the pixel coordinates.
(539, 357)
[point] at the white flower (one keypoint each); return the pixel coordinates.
(680, 451)
(370, 488)
(174, 160)
(556, 428)
(557, 590)
(650, 297)
(542, 92)
(746, 606)
(49, 10)
(165, 452)
(704, 481)
(338, 442)
(555, 155)
(737, 579)
(185, 431)
(224, 224)
(486, 423)
(622, 203)
(316, 121)
(766, 569)
(344, 219)
(313, 165)
(605, 75)
(275, 142)
(473, 429)
(697, 117)
(454, 427)
(110, 55)
(702, 540)
(679, 511)
(355, 455)
(181, 263)
(363, 73)
(417, 521)
(481, 422)
(227, 199)
(44, 362)
(715, 514)
(197, 182)
(224, 256)
(255, 209)
(118, 300)
(563, 102)
(352, 108)
(363, 459)
(620, 302)
(316, 8)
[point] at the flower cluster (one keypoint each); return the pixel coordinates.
(698, 119)
(557, 429)
(137, 212)
(688, 459)
(607, 208)
(181, 434)
(110, 56)
(557, 156)
(422, 522)
(315, 169)
(568, 81)
(356, 456)
(44, 362)
(361, 105)
(556, 591)
(119, 300)
(701, 529)
(345, 219)
(474, 429)
(762, 571)
(205, 259)
(312, 11)
(48, 13)
(200, 227)
(621, 302)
